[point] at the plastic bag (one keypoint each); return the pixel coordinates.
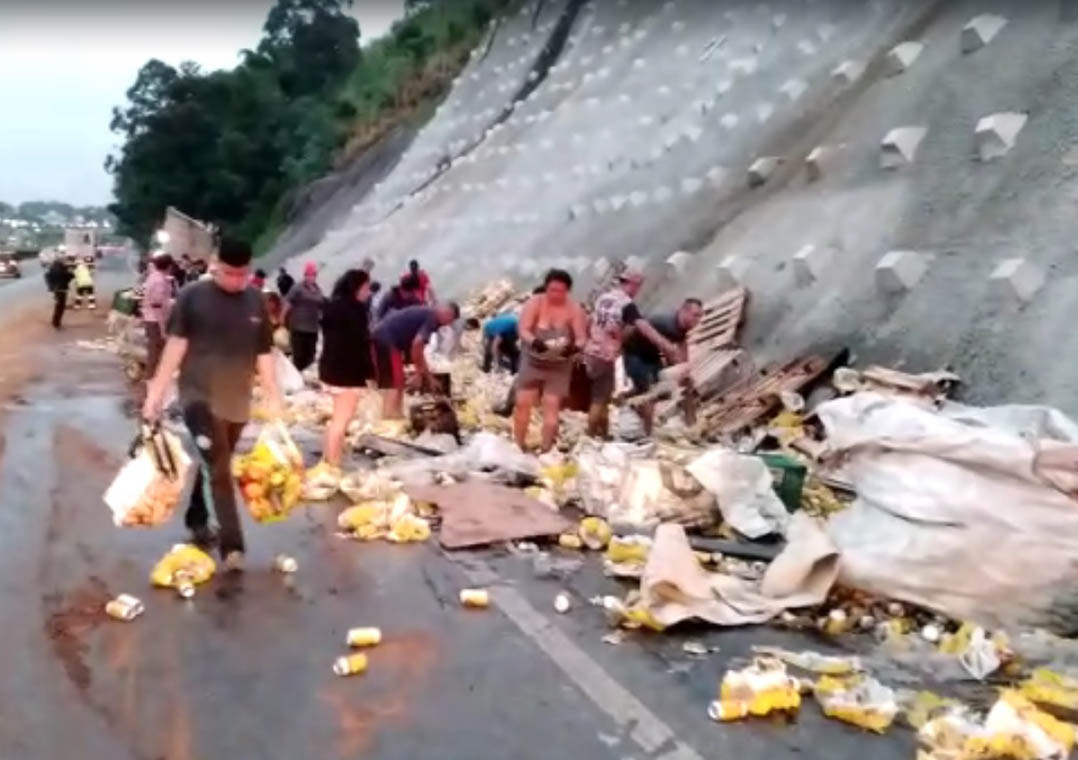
(1014, 728)
(628, 425)
(758, 690)
(186, 561)
(148, 487)
(858, 699)
(824, 664)
(321, 482)
(289, 379)
(654, 491)
(368, 485)
(271, 474)
(743, 486)
(393, 519)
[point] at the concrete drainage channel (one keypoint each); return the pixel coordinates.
(549, 56)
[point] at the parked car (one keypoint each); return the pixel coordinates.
(9, 267)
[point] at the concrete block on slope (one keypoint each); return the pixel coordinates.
(717, 175)
(819, 159)
(900, 145)
(809, 264)
(691, 185)
(1018, 279)
(996, 133)
(980, 31)
(848, 72)
(678, 262)
(898, 271)
(732, 271)
(744, 66)
(793, 89)
(761, 170)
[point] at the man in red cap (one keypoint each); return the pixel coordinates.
(614, 313)
(302, 315)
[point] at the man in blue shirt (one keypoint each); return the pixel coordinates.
(501, 346)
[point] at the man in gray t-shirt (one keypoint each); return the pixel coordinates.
(218, 337)
(400, 337)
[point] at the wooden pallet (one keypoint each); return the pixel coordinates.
(720, 324)
(744, 404)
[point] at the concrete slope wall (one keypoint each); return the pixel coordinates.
(638, 141)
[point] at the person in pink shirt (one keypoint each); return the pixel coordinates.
(158, 292)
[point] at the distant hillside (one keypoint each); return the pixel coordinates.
(233, 147)
(36, 224)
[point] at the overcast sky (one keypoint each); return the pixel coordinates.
(65, 64)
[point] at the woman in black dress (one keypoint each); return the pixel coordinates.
(345, 366)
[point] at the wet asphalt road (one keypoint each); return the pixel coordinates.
(243, 671)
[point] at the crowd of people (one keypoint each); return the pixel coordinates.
(214, 328)
(553, 336)
(218, 331)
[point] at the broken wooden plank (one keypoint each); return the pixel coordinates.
(720, 323)
(744, 404)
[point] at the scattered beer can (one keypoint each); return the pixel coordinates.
(475, 597)
(570, 541)
(364, 637)
(125, 607)
(282, 563)
(350, 665)
(184, 584)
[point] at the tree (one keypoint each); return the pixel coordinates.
(313, 44)
(226, 145)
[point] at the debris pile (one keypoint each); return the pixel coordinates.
(856, 503)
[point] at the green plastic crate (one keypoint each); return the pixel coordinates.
(124, 302)
(788, 476)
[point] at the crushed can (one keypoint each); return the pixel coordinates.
(570, 541)
(475, 597)
(364, 637)
(350, 665)
(125, 607)
(282, 563)
(184, 584)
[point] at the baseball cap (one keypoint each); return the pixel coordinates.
(631, 275)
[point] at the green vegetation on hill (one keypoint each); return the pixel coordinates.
(229, 147)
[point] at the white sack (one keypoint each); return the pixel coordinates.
(675, 587)
(954, 510)
(744, 488)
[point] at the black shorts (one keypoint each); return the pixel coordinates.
(388, 366)
(641, 372)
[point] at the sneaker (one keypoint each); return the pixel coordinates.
(234, 561)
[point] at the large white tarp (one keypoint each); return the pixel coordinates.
(968, 511)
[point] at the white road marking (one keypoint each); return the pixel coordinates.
(650, 732)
